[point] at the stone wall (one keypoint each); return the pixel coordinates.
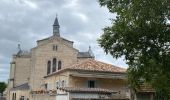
(20, 93)
(21, 70)
(72, 81)
(57, 78)
(44, 53)
(42, 97)
(114, 84)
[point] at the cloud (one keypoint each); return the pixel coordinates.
(25, 21)
(82, 16)
(26, 3)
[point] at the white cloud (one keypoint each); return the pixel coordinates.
(82, 16)
(71, 4)
(25, 21)
(28, 3)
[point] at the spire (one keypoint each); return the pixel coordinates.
(56, 26)
(19, 47)
(91, 52)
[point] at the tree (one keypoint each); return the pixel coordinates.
(2, 87)
(141, 34)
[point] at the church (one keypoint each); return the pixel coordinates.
(55, 70)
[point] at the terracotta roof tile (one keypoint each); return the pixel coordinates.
(94, 65)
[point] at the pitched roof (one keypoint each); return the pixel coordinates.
(54, 37)
(91, 90)
(88, 54)
(22, 54)
(84, 55)
(56, 23)
(92, 65)
(24, 86)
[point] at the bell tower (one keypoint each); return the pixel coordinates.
(56, 28)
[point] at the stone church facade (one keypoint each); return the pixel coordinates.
(55, 70)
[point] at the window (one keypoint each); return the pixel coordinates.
(63, 83)
(13, 96)
(46, 86)
(50, 86)
(22, 98)
(59, 65)
(54, 64)
(55, 47)
(57, 84)
(91, 84)
(48, 67)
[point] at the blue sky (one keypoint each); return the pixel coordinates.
(25, 21)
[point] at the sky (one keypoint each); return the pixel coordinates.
(26, 21)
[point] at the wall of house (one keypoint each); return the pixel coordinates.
(62, 97)
(42, 97)
(20, 93)
(118, 85)
(114, 84)
(84, 95)
(51, 81)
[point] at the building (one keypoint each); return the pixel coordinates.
(55, 70)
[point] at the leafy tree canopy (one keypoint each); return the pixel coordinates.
(141, 33)
(2, 87)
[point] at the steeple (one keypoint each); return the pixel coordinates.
(56, 26)
(91, 52)
(19, 47)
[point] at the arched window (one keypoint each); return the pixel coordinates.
(54, 64)
(48, 67)
(59, 65)
(13, 96)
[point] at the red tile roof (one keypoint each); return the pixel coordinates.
(91, 90)
(92, 65)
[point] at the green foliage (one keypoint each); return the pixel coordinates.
(2, 87)
(141, 33)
